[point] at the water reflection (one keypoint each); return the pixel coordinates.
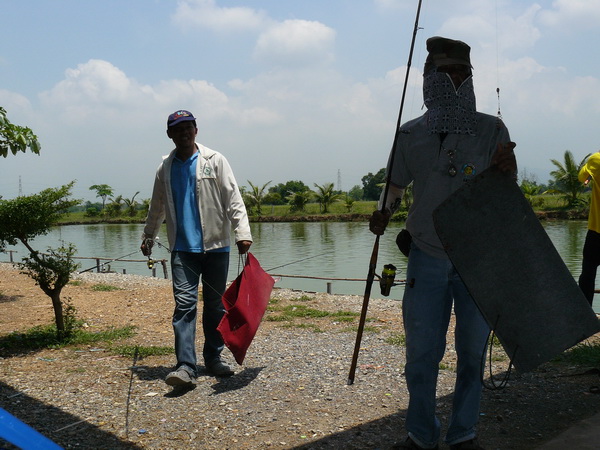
(325, 249)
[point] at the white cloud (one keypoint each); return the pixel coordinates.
(296, 43)
(206, 14)
(566, 13)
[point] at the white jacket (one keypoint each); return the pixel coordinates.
(219, 200)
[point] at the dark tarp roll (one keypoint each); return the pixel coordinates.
(513, 271)
(245, 304)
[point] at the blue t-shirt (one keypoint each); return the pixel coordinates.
(183, 186)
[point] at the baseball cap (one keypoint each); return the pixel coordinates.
(179, 116)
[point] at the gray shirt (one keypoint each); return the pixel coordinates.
(425, 159)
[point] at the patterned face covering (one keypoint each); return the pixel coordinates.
(449, 110)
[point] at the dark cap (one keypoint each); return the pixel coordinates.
(444, 51)
(179, 116)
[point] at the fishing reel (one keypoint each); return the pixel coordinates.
(386, 280)
(149, 243)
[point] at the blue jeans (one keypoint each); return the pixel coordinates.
(433, 285)
(187, 268)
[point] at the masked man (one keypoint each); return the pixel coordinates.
(438, 152)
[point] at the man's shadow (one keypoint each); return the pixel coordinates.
(224, 384)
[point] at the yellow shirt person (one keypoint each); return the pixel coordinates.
(590, 172)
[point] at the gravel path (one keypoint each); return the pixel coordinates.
(291, 392)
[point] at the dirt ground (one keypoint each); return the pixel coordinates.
(291, 391)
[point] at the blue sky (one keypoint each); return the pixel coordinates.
(288, 90)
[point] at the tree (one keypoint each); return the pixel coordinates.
(289, 187)
(24, 218)
(255, 197)
(298, 200)
(356, 193)
(103, 191)
(326, 196)
(16, 138)
(348, 202)
(131, 205)
(566, 178)
(372, 185)
(113, 209)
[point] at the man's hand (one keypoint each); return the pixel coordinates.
(504, 158)
(146, 247)
(379, 221)
(243, 246)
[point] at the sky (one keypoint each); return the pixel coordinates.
(304, 90)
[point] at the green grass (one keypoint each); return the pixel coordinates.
(45, 336)
(397, 339)
(105, 288)
(141, 352)
(583, 354)
(295, 311)
(290, 315)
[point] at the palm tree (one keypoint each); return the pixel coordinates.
(566, 178)
(131, 204)
(298, 200)
(530, 190)
(113, 209)
(256, 196)
(326, 197)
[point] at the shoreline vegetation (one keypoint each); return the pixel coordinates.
(275, 217)
(353, 217)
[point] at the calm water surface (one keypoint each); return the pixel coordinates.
(327, 250)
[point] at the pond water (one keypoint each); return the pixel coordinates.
(334, 251)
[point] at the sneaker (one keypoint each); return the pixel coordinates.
(471, 444)
(409, 444)
(180, 377)
(219, 368)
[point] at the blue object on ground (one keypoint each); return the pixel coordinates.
(22, 435)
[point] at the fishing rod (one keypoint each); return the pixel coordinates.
(373, 261)
(108, 262)
(294, 262)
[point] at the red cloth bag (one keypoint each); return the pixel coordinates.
(245, 304)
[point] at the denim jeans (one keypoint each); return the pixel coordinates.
(187, 268)
(433, 285)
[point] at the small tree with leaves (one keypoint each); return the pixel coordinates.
(326, 196)
(16, 138)
(566, 178)
(131, 205)
(299, 200)
(256, 196)
(24, 218)
(103, 191)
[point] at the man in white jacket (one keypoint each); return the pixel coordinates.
(196, 192)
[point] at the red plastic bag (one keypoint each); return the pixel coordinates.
(245, 304)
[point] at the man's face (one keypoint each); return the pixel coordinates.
(458, 73)
(183, 134)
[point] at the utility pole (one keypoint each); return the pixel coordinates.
(339, 180)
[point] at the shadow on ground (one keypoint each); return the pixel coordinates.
(66, 430)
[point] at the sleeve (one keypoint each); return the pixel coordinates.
(591, 168)
(156, 212)
(232, 199)
(393, 198)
